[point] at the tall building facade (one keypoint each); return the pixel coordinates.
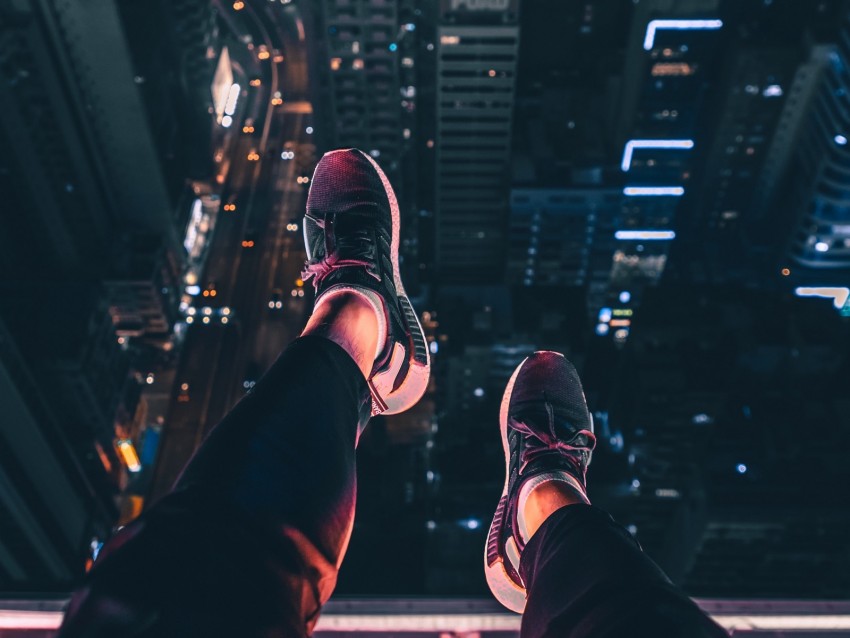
(359, 50)
(721, 228)
(670, 56)
(101, 130)
(366, 58)
(101, 138)
(820, 171)
(554, 234)
(477, 51)
(84, 156)
(58, 468)
(803, 184)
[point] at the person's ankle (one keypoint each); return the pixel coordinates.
(541, 498)
(350, 320)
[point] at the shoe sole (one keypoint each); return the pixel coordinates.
(415, 381)
(503, 587)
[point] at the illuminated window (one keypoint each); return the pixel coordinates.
(673, 68)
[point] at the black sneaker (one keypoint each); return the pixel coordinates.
(546, 429)
(351, 230)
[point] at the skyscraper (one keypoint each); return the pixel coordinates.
(721, 229)
(358, 53)
(477, 48)
(553, 232)
(366, 60)
(670, 56)
(93, 189)
(818, 174)
(56, 497)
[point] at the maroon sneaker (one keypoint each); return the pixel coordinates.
(547, 431)
(351, 231)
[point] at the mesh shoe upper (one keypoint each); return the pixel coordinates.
(351, 231)
(348, 233)
(546, 429)
(549, 426)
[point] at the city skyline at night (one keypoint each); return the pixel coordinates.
(657, 189)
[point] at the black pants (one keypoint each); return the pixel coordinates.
(249, 542)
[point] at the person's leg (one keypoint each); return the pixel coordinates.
(250, 540)
(586, 576)
(566, 565)
(251, 537)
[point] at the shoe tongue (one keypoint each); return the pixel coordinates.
(354, 235)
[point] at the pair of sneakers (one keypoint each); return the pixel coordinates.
(351, 231)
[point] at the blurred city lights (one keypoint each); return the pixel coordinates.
(470, 523)
(128, 454)
(232, 99)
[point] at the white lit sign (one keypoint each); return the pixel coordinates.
(677, 25)
(653, 191)
(645, 235)
(631, 145)
(838, 295)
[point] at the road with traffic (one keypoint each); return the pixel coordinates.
(251, 302)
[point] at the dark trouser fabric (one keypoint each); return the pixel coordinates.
(587, 577)
(249, 542)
